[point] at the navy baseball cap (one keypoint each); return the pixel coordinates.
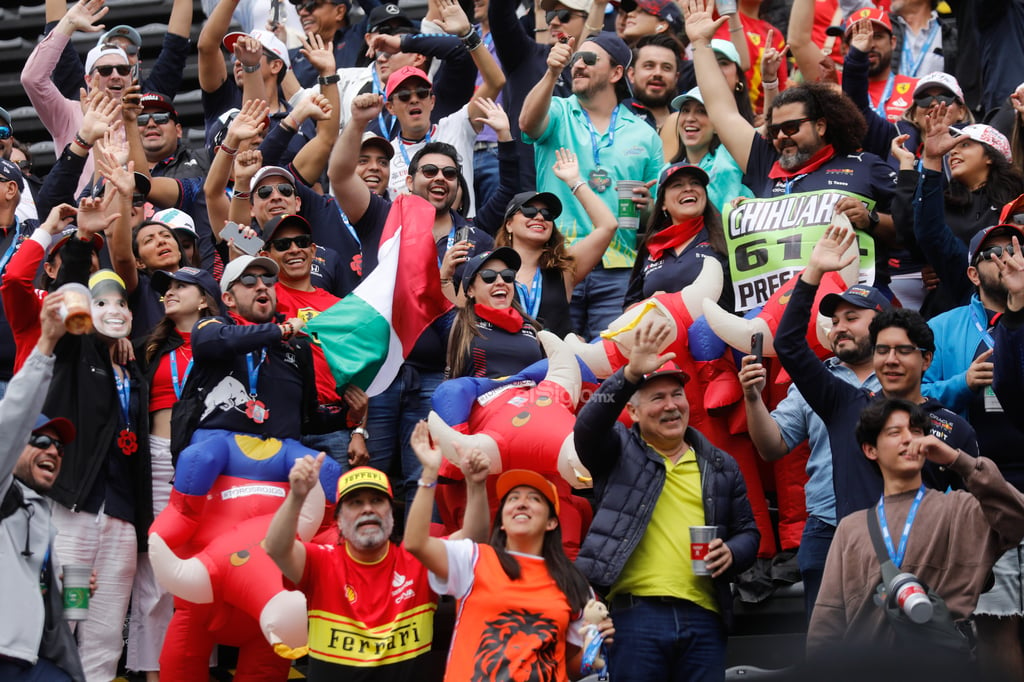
(859, 295)
(65, 429)
(505, 254)
(978, 240)
(9, 172)
(162, 279)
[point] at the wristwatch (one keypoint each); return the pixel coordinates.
(361, 431)
(873, 220)
(250, 69)
(327, 80)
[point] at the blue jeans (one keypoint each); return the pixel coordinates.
(335, 444)
(676, 641)
(393, 416)
(814, 544)
(485, 175)
(42, 671)
(597, 301)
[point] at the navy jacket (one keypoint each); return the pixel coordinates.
(1008, 361)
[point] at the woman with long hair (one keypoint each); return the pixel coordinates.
(550, 269)
(521, 582)
(491, 335)
(683, 234)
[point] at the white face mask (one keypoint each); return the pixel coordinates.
(111, 316)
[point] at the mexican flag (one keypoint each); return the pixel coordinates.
(368, 334)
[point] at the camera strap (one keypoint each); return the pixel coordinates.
(889, 569)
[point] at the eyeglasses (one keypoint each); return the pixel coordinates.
(993, 252)
(563, 15)
(787, 128)
(925, 101)
(107, 69)
(283, 188)
(158, 119)
(531, 211)
(589, 58)
(430, 170)
(902, 350)
(43, 442)
(249, 280)
(406, 95)
(5, 132)
(508, 275)
(303, 241)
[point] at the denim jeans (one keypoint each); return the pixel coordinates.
(42, 671)
(393, 416)
(597, 301)
(675, 641)
(814, 544)
(335, 444)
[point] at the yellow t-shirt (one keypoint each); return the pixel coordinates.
(660, 565)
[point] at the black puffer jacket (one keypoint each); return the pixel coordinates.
(628, 478)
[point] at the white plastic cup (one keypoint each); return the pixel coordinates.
(629, 215)
(76, 308)
(726, 7)
(700, 538)
(76, 591)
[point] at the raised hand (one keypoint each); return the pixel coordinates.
(94, 215)
(381, 42)
(427, 453)
(1011, 271)
(305, 474)
(862, 33)
(315, 106)
(832, 252)
(938, 140)
(560, 54)
(904, 156)
(82, 16)
(247, 162)
(771, 59)
(453, 19)
(118, 175)
(495, 117)
(250, 121)
(645, 357)
(475, 465)
(366, 107)
(319, 54)
(700, 22)
(567, 167)
(249, 51)
(100, 113)
(753, 377)
(60, 217)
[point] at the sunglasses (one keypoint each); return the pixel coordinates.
(406, 95)
(303, 241)
(5, 132)
(994, 252)
(430, 170)
(24, 165)
(563, 15)
(531, 211)
(308, 6)
(283, 188)
(158, 119)
(508, 275)
(589, 58)
(787, 128)
(43, 442)
(903, 349)
(106, 70)
(249, 280)
(925, 101)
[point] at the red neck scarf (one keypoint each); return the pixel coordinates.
(813, 164)
(508, 318)
(673, 236)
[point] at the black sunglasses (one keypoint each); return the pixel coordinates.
(993, 252)
(787, 128)
(43, 442)
(307, 6)
(429, 170)
(303, 241)
(421, 92)
(488, 276)
(283, 188)
(249, 280)
(5, 132)
(106, 70)
(563, 15)
(531, 211)
(925, 101)
(158, 119)
(589, 58)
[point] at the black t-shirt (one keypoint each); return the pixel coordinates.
(498, 353)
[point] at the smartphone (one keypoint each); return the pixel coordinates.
(757, 346)
(462, 234)
(250, 246)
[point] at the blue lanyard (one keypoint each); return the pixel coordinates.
(449, 244)
(178, 387)
(908, 69)
(982, 329)
(254, 372)
(897, 555)
(594, 140)
(531, 297)
(880, 107)
(792, 181)
(378, 89)
(401, 145)
(124, 394)
(12, 247)
(348, 226)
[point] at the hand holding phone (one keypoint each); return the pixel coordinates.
(247, 245)
(757, 346)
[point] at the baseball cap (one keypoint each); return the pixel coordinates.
(66, 234)
(505, 254)
(1012, 209)
(579, 5)
(402, 75)
(5, 116)
(985, 134)
(859, 295)
(102, 51)
(177, 220)
(691, 94)
(614, 45)
(161, 280)
(669, 369)
(277, 222)
(667, 10)
(513, 478)
(364, 477)
(521, 199)
(979, 238)
(370, 137)
(726, 49)
(877, 16)
(154, 100)
(268, 171)
(65, 429)
(9, 171)
(237, 267)
(122, 31)
(683, 167)
(272, 45)
(942, 80)
(385, 14)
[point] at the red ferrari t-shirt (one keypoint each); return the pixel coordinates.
(306, 305)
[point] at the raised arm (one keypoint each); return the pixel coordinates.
(352, 193)
(282, 543)
(589, 250)
(455, 22)
(212, 69)
(801, 42)
(120, 183)
(733, 130)
(429, 550)
(534, 117)
(762, 428)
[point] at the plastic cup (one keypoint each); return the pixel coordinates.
(76, 308)
(76, 591)
(700, 538)
(726, 6)
(629, 215)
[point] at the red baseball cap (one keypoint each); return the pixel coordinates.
(402, 75)
(877, 16)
